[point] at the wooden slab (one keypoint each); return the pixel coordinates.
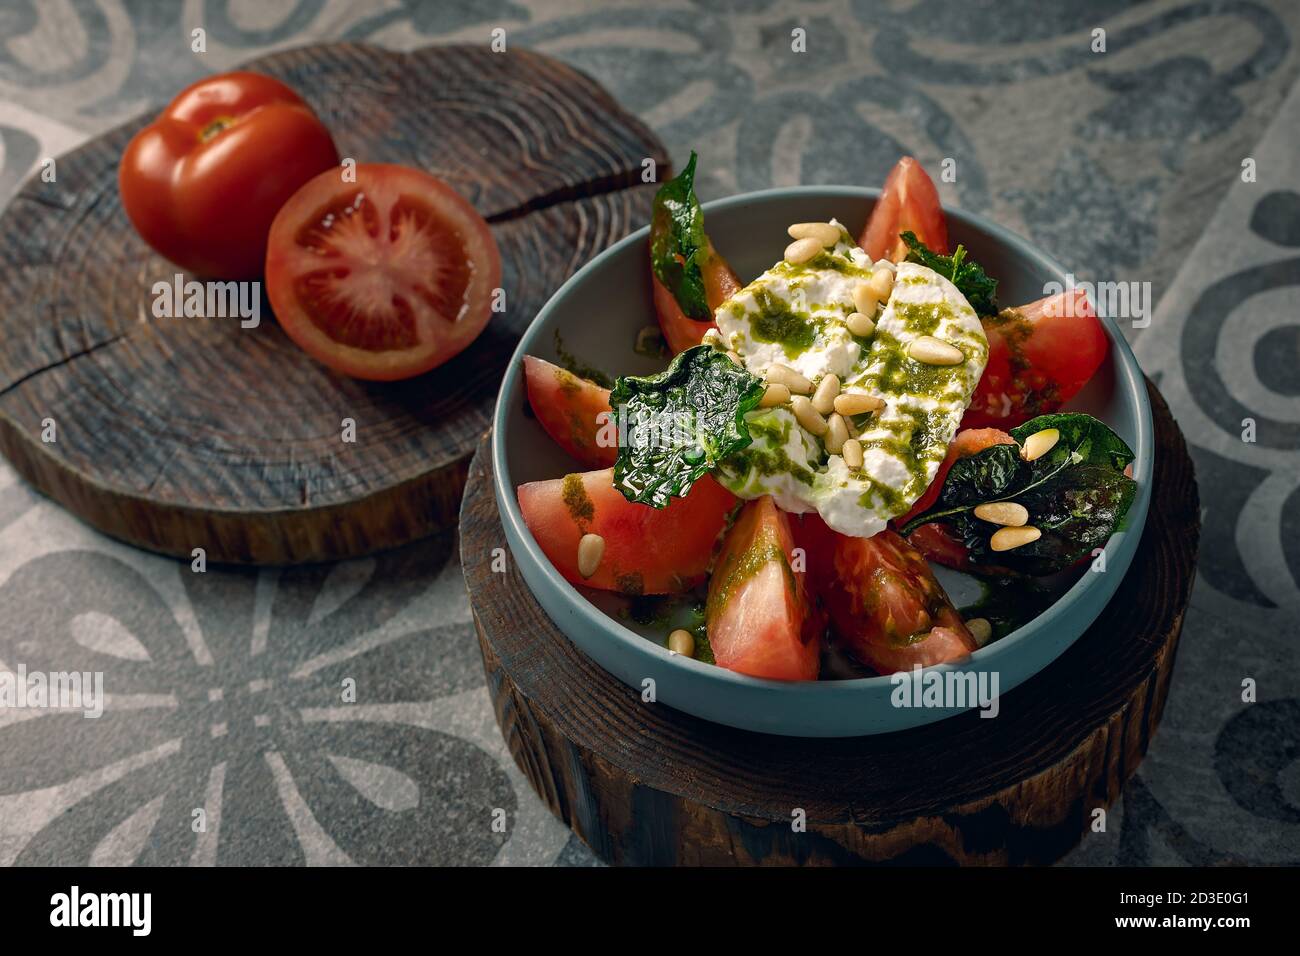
(174, 434)
(646, 784)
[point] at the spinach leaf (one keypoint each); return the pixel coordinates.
(1077, 494)
(678, 246)
(680, 423)
(969, 277)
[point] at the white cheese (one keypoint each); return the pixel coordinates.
(794, 315)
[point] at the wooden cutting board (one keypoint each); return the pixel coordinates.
(184, 433)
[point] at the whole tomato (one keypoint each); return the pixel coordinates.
(202, 182)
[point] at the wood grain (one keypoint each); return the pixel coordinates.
(646, 784)
(180, 433)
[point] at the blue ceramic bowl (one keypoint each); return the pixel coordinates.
(597, 314)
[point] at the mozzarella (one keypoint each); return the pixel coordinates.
(794, 315)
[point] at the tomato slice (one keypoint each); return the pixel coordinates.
(680, 331)
(382, 278)
(1040, 355)
(759, 618)
(965, 443)
(885, 605)
(647, 550)
(938, 545)
(908, 202)
(569, 409)
(932, 540)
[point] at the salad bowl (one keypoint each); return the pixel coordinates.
(593, 322)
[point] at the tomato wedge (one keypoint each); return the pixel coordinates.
(569, 409)
(382, 278)
(1040, 355)
(908, 202)
(758, 616)
(966, 442)
(884, 603)
(932, 540)
(680, 331)
(647, 550)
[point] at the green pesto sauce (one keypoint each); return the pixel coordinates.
(829, 261)
(630, 583)
(579, 368)
(581, 508)
(775, 322)
(740, 568)
(773, 460)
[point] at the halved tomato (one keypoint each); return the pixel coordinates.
(884, 603)
(382, 278)
(647, 550)
(1040, 355)
(568, 408)
(680, 331)
(908, 202)
(759, 618)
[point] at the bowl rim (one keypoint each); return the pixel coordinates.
(1128, 377)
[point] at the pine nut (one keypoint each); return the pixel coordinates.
(1004, 539)
(931, 351)
(823, 232)
(824, 398)
(980, 629)
(854, 431)
(1039, 444)
(864, 299)
(852, 452)
(881, 284)
(837, 433)
(857, 403)
(860, 325)
(807, 416)
(712, 337)
(735, 357)
(774, 395)
(590, 550)
(784, 375)
(1006, 513)
(801, 250)
(682, 641)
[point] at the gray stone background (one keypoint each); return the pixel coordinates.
(1126, 165)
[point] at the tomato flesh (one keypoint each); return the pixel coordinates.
(680, 331)
(759, 618)
(382, 278)
(647, 550)
(932, 540)
(966, 442)
(1040, 356)
(908, 202)
(203, 182)
(569, 409)
(884, 603)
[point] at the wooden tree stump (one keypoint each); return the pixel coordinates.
(646, 784)
(180, 433)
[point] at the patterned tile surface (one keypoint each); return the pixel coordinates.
(1126, 164)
